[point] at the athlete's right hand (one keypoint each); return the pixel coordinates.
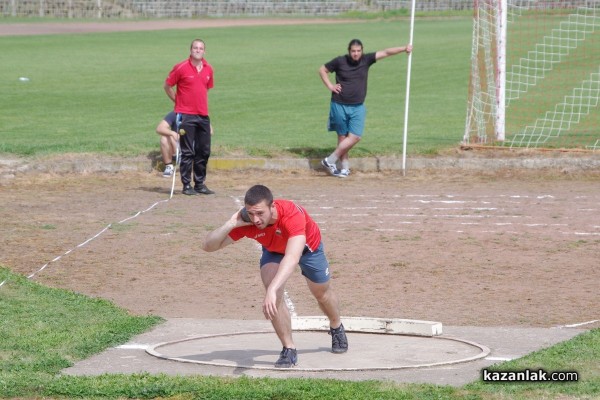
(237, 220)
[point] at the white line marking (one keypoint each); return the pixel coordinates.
(466, 208)
(579, 324)
(499, 358)
(55, 259)
(446, 201)
(133, 346)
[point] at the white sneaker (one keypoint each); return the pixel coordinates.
(331, 168)
(344, 173)
(169, 170)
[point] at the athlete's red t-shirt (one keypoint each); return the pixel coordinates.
(192, 87)
(292, 220)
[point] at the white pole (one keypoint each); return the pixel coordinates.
(177, 154)
(412, 28)
(175, 170)
(501, 70)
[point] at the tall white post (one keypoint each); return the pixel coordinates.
(501, 21)
(405, 137)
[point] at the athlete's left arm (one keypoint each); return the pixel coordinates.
(293, 252)
(393, 51)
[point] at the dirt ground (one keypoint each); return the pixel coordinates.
(510, 249)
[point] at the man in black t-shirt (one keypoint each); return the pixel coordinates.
(347, 110)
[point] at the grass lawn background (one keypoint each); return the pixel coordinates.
(102, 93)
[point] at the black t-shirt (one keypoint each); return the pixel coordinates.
(352, 76)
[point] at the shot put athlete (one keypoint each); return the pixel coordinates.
(289, 237)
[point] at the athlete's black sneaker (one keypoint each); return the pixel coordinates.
(287, 358)
(202, 189)
(339, 341)
(189, 190)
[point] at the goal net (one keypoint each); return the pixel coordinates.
(535, 74)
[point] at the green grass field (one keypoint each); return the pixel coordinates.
(102, 93)
(45, 330)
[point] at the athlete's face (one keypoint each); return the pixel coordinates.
(197, 50)
(355, 52)
(261, 214)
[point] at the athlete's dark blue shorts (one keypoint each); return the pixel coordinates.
(314, 265)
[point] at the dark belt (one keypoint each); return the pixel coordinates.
(306, 250)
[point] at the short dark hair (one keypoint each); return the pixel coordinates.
(355, 42)
(258, 193)
(197, 40)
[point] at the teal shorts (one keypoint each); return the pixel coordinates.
(347, 118)
(314, 265)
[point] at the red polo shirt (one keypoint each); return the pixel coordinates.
(192, 87)
(292, 220)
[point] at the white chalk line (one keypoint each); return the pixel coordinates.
(500, 358)
(56, 259)
(133, 346)
(475, 221)
(377, 197)
(432, 199)
(582, 233)
(576, 325)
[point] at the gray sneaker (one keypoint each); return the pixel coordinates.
(168, 172)
(344, 173)
(339, 341)
(331, 168)
(287, 358)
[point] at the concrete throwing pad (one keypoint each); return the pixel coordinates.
(368, 351)
(375, 344)
(505, 343)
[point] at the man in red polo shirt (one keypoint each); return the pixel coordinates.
(289, 237)
(192, 77)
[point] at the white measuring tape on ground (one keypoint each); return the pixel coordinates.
(97, 235)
